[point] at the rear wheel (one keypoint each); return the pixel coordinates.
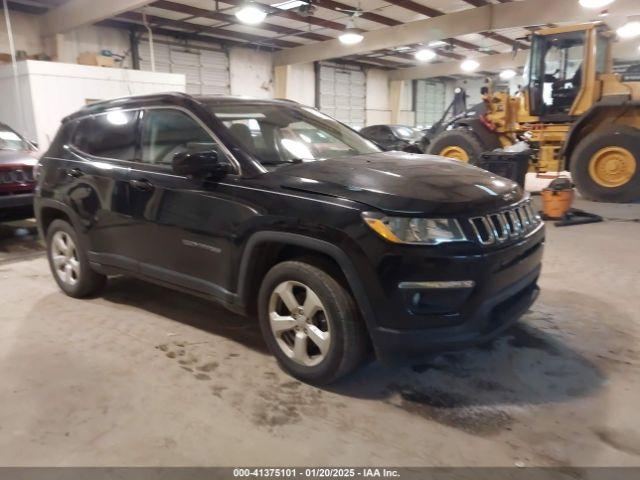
(459, 144)
(310, 323)
(605, 165)
(68, 262)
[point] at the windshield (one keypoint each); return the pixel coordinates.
(10, 140)
(278, 134)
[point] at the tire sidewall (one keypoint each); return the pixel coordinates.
(334, 307)
(621, 136)
(72, 290)
(461, 138)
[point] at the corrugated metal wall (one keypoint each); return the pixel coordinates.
(206, 71)
(430, 102)
(343, 93)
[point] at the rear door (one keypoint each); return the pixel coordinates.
(96, 175)
(185, 225)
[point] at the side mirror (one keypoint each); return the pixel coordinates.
(199, 164)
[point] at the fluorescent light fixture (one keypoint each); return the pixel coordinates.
(425, 54)
(289, 5)
(595, 3)
(351, 35)
(437, 43)
(507, 74)
(629, 30)
(469, 65)
(251, 14)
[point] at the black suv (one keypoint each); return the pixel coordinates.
(272, 208)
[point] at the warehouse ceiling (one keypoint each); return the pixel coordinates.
(287, 25)
(293, 23)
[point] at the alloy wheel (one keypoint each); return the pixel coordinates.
(299, 323)
(64, 256)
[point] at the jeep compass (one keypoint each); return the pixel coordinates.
(274, 209)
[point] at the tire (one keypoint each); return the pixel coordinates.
(465, 140)
(73, 274)
(619, 145)
(347, 345)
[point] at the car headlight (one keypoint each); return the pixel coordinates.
(422, 231)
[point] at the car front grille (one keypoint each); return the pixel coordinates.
(17, 175)
(500, 227)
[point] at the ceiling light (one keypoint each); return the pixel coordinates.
(437, 43)
(425, 54)
(289, 4)
(629, 30)
(251, 14)
(469, 65)
(351, 35)
(595, 3)
(507, 74)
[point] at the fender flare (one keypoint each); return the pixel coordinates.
(49, 203)
(321, 246)
(576, 129)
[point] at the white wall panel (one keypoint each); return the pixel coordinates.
(26, 34)
(251, 73)
(378, 110)
(50, 91)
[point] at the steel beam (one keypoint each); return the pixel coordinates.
(491, 63)
(474, 20)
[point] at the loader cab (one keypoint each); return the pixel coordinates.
(562, 69)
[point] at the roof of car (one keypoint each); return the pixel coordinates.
(169, 99)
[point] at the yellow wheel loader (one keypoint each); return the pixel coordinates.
(572, 111)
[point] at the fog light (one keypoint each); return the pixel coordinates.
(436, 297)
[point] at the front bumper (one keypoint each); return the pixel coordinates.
(504, 287)
(496, 315)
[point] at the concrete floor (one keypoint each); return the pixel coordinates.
(147, 376)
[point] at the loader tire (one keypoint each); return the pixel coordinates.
(605, 166)
(459, 144)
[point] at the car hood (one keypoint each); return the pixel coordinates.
(404, 183)
(14, 157)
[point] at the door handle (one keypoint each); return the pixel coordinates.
(144, 185)
(75, 173)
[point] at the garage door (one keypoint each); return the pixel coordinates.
(430, 102)
(342, 93)
(206, 71)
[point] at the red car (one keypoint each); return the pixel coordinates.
(17, 182)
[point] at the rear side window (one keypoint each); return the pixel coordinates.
(108, 135)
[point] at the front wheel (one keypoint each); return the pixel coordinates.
(605, 165)
(310, 323)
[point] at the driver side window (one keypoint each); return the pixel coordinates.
(166, 132)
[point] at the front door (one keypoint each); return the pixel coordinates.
(185, 224)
